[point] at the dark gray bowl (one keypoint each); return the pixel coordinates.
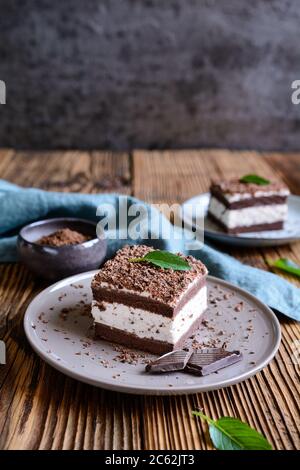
(55, 263)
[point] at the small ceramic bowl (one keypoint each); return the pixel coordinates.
(56, 262)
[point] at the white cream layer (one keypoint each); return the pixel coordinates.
(152, 325)
(247, 216)
(242, 196)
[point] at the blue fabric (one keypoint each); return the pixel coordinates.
(19, 206)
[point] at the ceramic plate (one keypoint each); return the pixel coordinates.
(59, 328)
(289, 234)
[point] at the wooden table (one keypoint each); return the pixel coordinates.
(41, 408)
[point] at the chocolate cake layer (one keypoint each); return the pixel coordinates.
(249, 202)
(250, 228)
(132, 341)
(146, 303)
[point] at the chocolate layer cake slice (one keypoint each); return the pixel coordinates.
(248, 207)
(143, 306)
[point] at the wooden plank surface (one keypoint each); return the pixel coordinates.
(40, 408)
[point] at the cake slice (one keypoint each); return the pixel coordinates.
(143, 306)
(239, 206)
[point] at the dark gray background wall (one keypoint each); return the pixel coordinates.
(149, 73)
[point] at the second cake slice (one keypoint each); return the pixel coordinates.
(240, 207)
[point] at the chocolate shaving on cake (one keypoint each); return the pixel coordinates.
(165, 285)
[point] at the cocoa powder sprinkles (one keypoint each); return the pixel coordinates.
(63, 237)
(165, 285)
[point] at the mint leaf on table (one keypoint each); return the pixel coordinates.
(286, 265)
(254, 179)
(232, 434)
(164, 259)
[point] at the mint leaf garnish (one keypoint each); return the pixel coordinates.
(163, 259)
(254, 179)
(232, 434)
(286, 265)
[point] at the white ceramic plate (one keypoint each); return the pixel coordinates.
(289, 234)
(59, 328)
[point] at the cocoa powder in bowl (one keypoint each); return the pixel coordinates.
(59, 247)
(63, 237)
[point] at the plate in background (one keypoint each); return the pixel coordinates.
(59, 328)
(290, 233)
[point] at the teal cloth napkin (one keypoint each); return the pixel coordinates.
(20, 206)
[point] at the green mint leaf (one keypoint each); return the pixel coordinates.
(164, 259)
(286, 265)
(254, 179)
(232, 434)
